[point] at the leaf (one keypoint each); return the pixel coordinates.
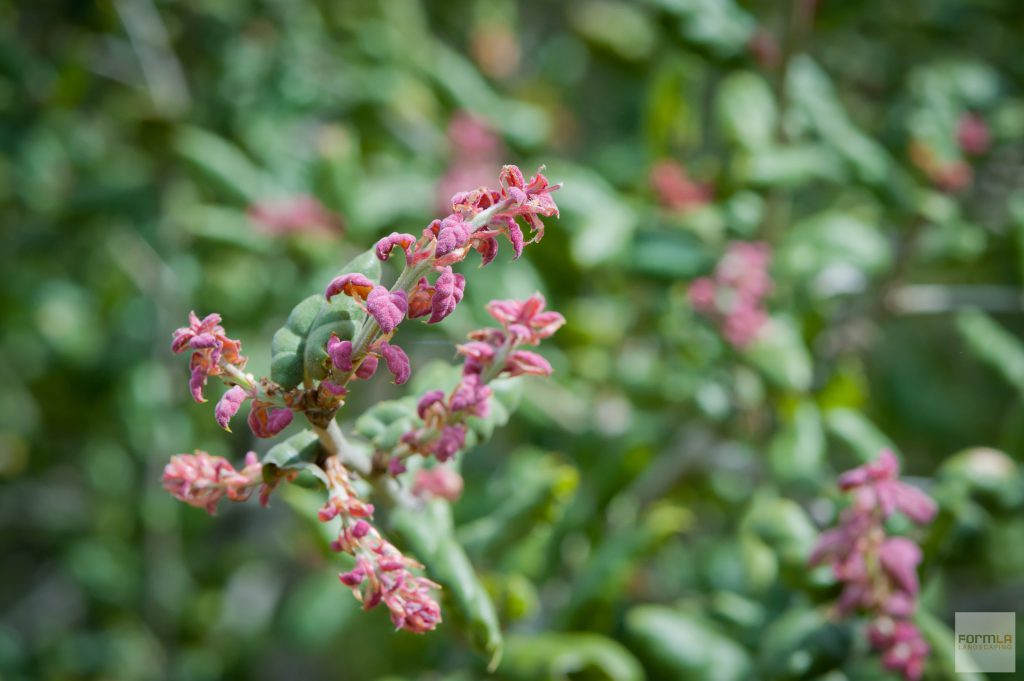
(830, 241)
(620, 27)
(298, 452)
(993, 345)
(779, 352)
(858, 432)
(618, 557)
(788, 166)
(783, 526)
(746, 110)
(988, 473)
(430, 534)
(288, 346)
(668, 255)
(812, 93)
(679, 645)
(531, 491)
(384, 423)
(721, 26)
(297, 349)
(532, 657)
(341, 317)
(223, 164)
(601, 224)
(801, 643)
(797, 452)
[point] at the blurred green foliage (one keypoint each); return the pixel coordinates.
(648, 513)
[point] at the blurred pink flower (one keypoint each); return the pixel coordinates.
(202, 480)
(878, 572)
(675, 190)
(293, 215)
(734, 294)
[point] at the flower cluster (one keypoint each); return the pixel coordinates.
(382, 574)
(734, 295)
(202, 480)
(675, 190)
(879, 572)
(213, 352)
(490, 353)
(356, 338)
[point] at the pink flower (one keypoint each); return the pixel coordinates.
(382, 574)
(428, 400)
(292, 215)
(387, 307)
(340, 352)
(532, 200)
(267, 421)
(702, 294)
(452, 439)
(421, 299)
(229, 405)
(388, 244)
(877, 484)
(471, 396)
(879, 573)
(439, 481)
(202, 480)
(354, 285)
(526, 319)
(903, 647)
(367, 368)
(899, 558)
(448, 291)
(675, 190)
(212, 349)
(397, 361)
(972, 134)
(452, 233)
(734, 295)
(479, 355)
(530, 363)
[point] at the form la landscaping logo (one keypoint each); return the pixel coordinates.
(986, 642)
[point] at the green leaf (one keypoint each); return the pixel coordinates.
(288, 346)
(618, 557)
(797, 453)
(746, 110)
(788, 166)
(223, 164)
(720, 26)
(994, 345)
(779, 352)
(814, 95)
(535, 486)
(554, 656)
(297, 349)
(858, 432)
(430, 534)
(989, 473)
(384, 423)
(601, 224)
(800, 644)
(298, 452)
(831, 240)
(680, 645)
(783, 526)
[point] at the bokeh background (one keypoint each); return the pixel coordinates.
(647, 512)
